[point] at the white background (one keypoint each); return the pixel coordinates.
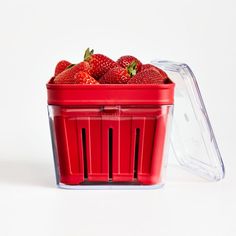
(34, 36)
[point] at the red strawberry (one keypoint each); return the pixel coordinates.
(99, 63)
(149, 66)
(149, 76)
(124, 61)
(61, 66)
(67, 76)
(118, 75)
(84, 78)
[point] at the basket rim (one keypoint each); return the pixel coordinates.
(50, 84)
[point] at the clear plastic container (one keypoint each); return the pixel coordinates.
(192, 139)
(117, 136)
(109, 134)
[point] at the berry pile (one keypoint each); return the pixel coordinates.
(100, 69)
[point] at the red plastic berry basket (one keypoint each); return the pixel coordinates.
(109, 134)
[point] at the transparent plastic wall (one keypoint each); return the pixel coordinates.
(192, 140)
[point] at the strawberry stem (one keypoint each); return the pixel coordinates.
(88, 54)
(132, 68)
(71, 65)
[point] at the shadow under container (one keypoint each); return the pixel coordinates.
(104, 135)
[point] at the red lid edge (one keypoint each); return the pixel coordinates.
(108, 94)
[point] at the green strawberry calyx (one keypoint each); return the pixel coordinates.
(88, 53)
(132, 68)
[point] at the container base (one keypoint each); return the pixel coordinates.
(110, 186)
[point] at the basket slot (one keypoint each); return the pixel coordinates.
(110, 151)
(136, 152)
(84, 148)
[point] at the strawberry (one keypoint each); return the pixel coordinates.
(67, 76)
(99, 63)
(124, 61)
(61, 66)
(149, 76)
(84, 78)
(118, 75)
(148, 66)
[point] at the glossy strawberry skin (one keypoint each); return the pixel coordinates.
(99, 65)
(124, 61)
(67, 76)
(150, 66)
(148, 76)
(84, 78)
(116, 75)
(61, 66)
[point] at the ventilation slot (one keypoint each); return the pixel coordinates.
(136, 153)
(84, 153)
(110, 146)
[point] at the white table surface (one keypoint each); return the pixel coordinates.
(34, 36)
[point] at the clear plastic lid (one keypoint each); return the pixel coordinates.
(192, 140)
